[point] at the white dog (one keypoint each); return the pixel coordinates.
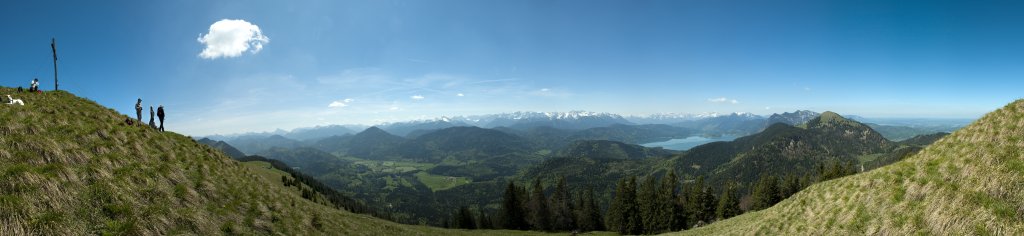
(14, 101)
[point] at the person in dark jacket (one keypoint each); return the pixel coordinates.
(138, 110)
(151, 123)
(34, 87)
(160, 114)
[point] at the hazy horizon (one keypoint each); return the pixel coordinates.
(234, 66)
(900, 121)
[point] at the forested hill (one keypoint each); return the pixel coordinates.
(785, 149)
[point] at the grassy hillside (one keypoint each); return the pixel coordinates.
(68, 166)
(969, 183)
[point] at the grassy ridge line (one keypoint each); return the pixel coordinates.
(968, 183)
(68, 166)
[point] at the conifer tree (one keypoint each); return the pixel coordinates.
(728, 202)
(512, 215)
(805, 180)
(790, 186)
(616, 216)
(633, 223)
(447, 223)
(562, 215)
(484, 221)
(465, 219)
(647, 201)
(539, 211)
(765, 193)
(683, 216)
(589, 213)
(669, 211)
(710, 204)
(701, 203)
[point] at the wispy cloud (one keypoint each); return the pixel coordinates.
(549, 92)
(460, 95)
(231, 38)
(723, 100)
(417, 97)
(341, 103)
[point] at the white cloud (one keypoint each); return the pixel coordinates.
(460, 95)
(337, 104)
(417, 97)
(548, 92)
(767, 108)
(393, 108)
(723, 100)
(341, 103)
(230, 38)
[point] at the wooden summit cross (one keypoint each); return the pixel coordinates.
(53, 45)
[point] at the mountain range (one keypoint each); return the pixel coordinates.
(706, 124)
(369, 164)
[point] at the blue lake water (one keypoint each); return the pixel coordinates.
(683, 144)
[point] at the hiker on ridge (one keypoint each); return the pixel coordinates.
(138, 110)
(160, 114)
(34, 87)
(151, 123)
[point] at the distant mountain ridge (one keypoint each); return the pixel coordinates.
(792, 118)
(301, 134)
(669, 118)
(224, 147)
(736, 123)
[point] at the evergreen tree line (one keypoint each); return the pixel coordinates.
(652, 205)
(464, 218)
(530, 208)
(770, 189)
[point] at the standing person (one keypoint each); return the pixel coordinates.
(151, 123)
(138, 110)
(160, 114)
(34, 87)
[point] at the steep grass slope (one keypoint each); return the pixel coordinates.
(968, 183)
(68, 166)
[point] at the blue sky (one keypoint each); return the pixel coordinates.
(381, 61)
